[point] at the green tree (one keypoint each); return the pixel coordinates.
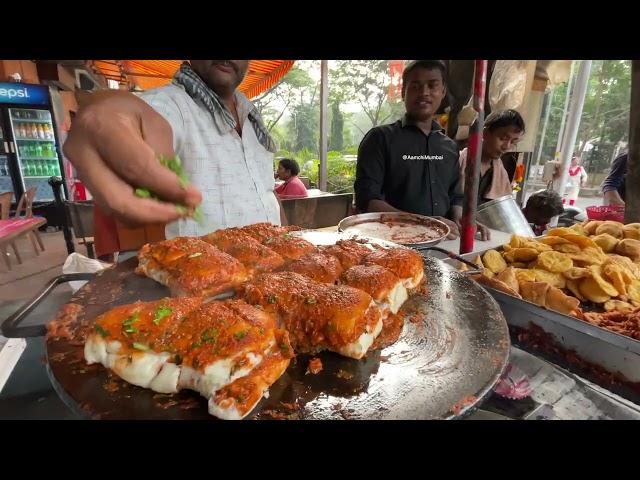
(366, 82)
(336, 138)
(275, 102)
(304, 124)
(605, 116)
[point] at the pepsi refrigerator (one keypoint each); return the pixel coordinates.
(29, 147)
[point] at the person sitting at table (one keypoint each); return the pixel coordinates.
(541, 208)
(288, 171)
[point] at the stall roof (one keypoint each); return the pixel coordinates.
(146, 74)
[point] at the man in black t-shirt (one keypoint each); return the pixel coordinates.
(411, 165)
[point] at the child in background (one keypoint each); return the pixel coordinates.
(541, 208)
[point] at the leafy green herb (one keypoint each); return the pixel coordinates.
(143, 193)
(196, 345)
(127, 325)
(240, 335)
(161, 313)
(271, 298)
(175, 165)
(310, 301)
(140, 346)
(131, 320)
(209, 336)
(101, 331)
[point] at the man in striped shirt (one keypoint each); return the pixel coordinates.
(202, 117)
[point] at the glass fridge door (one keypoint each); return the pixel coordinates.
(36, 149)
(6, 184)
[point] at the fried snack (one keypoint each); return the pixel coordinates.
(606, 242)
(576, 273)
(553, 241)
(540, 247)
(623, 323)
(508, 276)
(588, 256)
(494, 261)
(616, 275)
(557, 300)
(629, 248)
(518, 265)
(592, 291)
(495, 284)
(591, 226)
(578, 228)
(478, 261)
(615, 229)
(517, 241)
(524, 275)
(573, 287)
(618, 306)
(627, 264)
(535, 292)
(488, 273)
(633, 291)
(581, 240)
(567, 247)
(553, 279)
(606, 286)
(632, 230)
(555, 262)
(560, 232)
(521, 254)
(532, 265)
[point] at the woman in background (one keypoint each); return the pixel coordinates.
(288, 171)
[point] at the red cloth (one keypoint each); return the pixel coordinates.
(105, 234)
(292, 188)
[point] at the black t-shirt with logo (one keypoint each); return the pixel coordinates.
(412, 171)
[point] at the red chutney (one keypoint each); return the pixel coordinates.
(315, 314)
(318, 266)
(246, 249)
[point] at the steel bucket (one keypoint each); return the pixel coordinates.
(503, 214)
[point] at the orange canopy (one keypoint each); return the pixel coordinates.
(146, 74)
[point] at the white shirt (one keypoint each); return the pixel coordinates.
(580, 176)
(234, 174)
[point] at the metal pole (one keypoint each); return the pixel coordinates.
(56, 185)
(563, 119)
(573, 122)
(564, 112)
(472, 172)
(632, 194)
(547, 110)
(324, 100)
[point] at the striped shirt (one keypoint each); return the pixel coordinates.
(234, 173)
